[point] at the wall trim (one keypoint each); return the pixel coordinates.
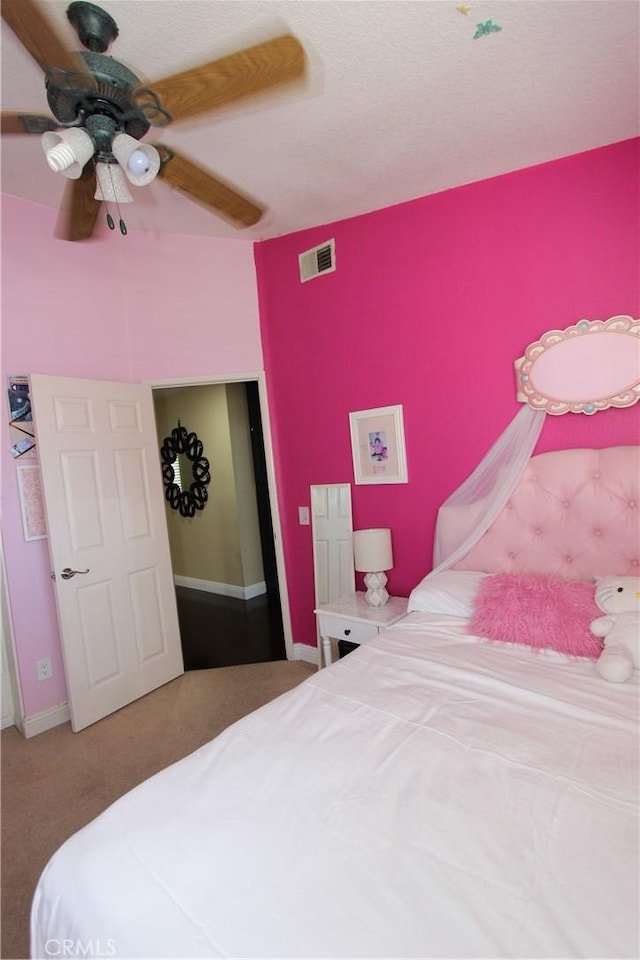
(224, 589)
(53, 717)
(11, 692)
(304, 651)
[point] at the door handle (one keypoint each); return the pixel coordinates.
(67, 573)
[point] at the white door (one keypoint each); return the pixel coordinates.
(332, 533)
(108, 542)
(332, 530)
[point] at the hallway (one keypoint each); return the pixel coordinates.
(220, 631)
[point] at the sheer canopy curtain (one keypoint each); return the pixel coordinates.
(471, 509)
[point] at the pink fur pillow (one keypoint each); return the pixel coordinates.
(539, 611)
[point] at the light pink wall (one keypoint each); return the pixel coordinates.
(430, 304)
(137, 308)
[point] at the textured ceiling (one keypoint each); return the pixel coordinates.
(400, 100)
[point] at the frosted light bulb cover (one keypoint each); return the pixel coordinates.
(111, 185)
(67, 151)
(138, 162)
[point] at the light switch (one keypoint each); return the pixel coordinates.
(303, 516)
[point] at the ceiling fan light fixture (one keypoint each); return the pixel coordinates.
(104, 111)
(111, 185)
(68, 151)
(140, 161)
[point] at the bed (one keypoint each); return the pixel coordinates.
(433, 794)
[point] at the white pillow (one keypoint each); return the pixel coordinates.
(451, 592)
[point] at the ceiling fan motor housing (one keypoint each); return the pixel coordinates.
(71, 100)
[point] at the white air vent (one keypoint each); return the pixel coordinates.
(319, 260)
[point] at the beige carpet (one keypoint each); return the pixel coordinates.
(56, 782)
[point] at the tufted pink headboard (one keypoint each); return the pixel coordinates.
(575, 514)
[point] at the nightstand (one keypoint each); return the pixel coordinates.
(352, 618)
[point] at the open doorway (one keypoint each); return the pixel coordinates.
(224, 557)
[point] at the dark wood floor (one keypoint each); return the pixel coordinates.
(221, 631)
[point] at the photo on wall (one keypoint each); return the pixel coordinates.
(377, 445)
(21, 428)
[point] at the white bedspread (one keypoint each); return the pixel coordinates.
(430, 795)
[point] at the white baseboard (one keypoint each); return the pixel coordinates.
(8, 720)
(303, 651)
(31, 726)
(223, 589)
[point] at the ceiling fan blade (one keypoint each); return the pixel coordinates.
(11, 121)
(79, 209)
(213, 84)
(200, 185)
(38, 36)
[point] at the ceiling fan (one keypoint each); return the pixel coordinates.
(101, 111)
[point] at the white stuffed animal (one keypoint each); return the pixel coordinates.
(619, 598)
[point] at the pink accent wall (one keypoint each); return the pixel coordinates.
(137, 308)
(430, 304)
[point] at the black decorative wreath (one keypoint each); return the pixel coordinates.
(186, 501)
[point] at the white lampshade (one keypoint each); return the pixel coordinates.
(372, 550)
(372, 555)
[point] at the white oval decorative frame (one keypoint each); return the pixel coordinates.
(590, 366)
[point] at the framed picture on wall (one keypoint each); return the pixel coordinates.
(377, 445)
(31, 503)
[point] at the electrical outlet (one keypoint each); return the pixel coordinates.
(44, 668)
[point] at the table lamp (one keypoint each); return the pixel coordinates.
(373, 555)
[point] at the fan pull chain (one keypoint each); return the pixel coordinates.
(110, 220)
(121, 223)
(101, 197)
